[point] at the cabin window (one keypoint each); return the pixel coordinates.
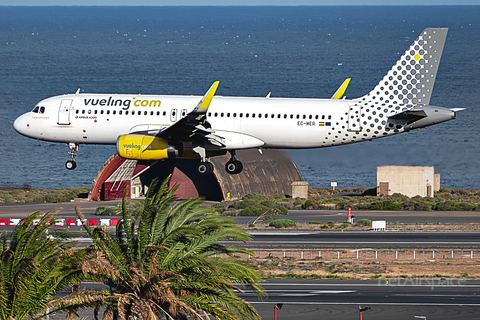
(234, 115)
(259, 115)
(241, 115)
(246, 115)
(114, 111)
(96, 111)
(298, 116)
(272, 116)
(108, 111)
(209, 114)
(83, 111)
(120, 112)
(89, 111)
(151, 113)
(253, 115)
(145, 113)
(126, 113)
(329, 117)
(316, 117)
(279, 116)
(164, 113)
(323, 117)
(291, 116)
(101, 111)
(158, 113)
(216, 114)
(139, 112)
(221, 114)
(75, 111)
(228, 115)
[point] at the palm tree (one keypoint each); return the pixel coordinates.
(165, 260)
(35, 265)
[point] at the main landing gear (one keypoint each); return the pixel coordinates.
(71, 164)
(205, 168)
(233, 166)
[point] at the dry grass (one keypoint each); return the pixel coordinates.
(369, 268)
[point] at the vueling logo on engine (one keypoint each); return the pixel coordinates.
(136, 146)
(124, 103)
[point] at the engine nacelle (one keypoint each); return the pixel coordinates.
(145, 147)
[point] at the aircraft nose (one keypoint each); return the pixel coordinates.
(20, 124)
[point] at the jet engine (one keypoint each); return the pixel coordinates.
(145, 147)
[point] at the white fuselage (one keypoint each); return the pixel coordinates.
(243, 122)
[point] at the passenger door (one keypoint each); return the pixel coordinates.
(64, 112)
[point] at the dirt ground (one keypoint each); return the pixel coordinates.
(372, 264)
(368, 268)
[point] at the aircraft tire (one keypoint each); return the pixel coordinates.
(70, 165)
(205, 168)
(233, 167)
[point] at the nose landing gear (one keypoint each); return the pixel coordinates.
(71, 164)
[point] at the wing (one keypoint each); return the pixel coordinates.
(194, 127)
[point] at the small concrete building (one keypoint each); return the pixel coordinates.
(409, 181)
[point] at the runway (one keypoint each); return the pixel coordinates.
(278, 240)
(340, 299)
(400, 299)
(66, 210)
(365, 239)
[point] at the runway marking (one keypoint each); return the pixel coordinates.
(366, 242)
(334, 291)
(367, 303)
(397, 284)
(306, 292)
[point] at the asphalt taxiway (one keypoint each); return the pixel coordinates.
(341, 299)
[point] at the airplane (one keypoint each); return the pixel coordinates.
(156, 127)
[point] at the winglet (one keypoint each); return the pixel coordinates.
(341, 90)
(203, 105)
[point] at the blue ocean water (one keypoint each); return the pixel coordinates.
(289, 51)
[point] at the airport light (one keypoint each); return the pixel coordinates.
(360, 309)
(278, 306)
(421, 317)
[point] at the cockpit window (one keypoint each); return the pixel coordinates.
(42, 109)
(35, 110)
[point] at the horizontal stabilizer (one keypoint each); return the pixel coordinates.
(409, 116)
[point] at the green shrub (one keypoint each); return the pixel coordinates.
(325, 226)
(422, 206)
(253, 210)
(278, 210)
(314, 222)
(331, 224)
(298, 202)
(282, 223)
(390, 205)
(344, 225)
(105, 211)
(364, 222)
